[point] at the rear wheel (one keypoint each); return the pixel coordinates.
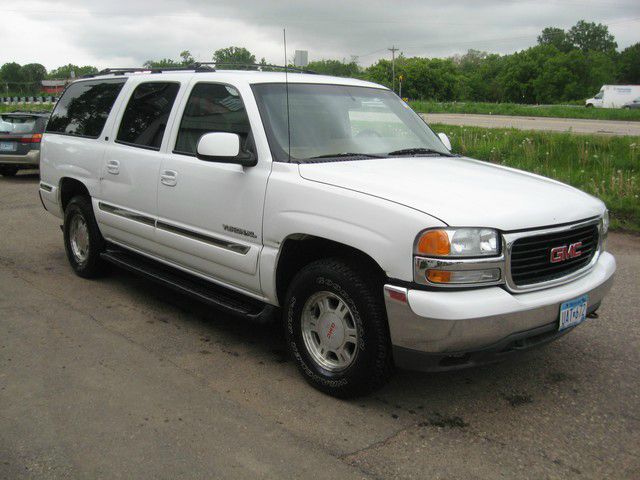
(83, 241)
(8, 171)
(336, 328)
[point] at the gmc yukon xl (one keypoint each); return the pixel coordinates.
(326, 202)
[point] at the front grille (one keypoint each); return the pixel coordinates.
(531, 256)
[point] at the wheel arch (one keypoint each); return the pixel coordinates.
(70, 187)
(299, 249)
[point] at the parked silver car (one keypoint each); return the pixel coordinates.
(20, 137)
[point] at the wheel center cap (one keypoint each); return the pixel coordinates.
(331, 330)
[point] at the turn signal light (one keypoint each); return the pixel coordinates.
(439, 276)
(434, 242)
(463, 276)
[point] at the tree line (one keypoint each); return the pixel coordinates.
(564, 66)
(20, 80)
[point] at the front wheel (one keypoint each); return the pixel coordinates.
(336, 328)
(83, 241)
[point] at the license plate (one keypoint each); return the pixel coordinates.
(7, 146)
(573, 312)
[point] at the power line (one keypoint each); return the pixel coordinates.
(499, 40)
(486, 41)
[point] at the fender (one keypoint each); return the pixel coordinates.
(382, 229)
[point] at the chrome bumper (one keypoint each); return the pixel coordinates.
(31, 159)
(454, 322)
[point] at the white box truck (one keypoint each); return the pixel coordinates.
(613, 96)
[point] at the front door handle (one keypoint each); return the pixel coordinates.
(113, 167)
(169, 178)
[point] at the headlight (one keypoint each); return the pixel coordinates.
(458, 256)
(458, 242)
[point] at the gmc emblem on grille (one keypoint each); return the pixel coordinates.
(565, 252)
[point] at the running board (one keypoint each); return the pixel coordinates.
(203, 291)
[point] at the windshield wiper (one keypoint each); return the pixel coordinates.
(418, 151)
(346, 154)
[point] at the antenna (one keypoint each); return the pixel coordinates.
(286, 86)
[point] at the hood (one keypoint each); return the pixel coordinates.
(461, 191)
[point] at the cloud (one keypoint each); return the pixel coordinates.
(128, 32)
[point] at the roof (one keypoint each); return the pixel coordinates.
(244, 76)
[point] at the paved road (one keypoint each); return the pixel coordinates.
(118, 378)
(602, 127)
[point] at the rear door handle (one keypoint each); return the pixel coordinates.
(113, 167)
(169, 178)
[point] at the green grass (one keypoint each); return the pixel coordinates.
(26, 108)
(607, 167)
(563, 111)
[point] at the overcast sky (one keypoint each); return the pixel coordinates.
(128, 32)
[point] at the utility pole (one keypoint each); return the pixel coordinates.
(393, 51)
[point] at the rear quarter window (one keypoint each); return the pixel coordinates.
(84, 108)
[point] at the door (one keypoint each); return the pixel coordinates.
(210, 214)
(127, 207)
(598, 99)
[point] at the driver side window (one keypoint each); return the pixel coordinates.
(212, 107)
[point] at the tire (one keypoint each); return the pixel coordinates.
(589, 105)
(83, 247)
(8, 171)
(365, 362)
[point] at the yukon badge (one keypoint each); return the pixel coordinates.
(563, 253)
(239, 231)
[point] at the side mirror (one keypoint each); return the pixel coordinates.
(445, 140)
(223, 147)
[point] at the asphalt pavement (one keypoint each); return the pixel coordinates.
(120, 378)
(552, 124)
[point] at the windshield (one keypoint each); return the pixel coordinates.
(17, 124)
(341, 121)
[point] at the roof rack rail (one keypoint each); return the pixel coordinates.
(258, 66)
(196, 67)
(122, 71)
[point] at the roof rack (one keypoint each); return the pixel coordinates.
(258, 66)
(197, 67)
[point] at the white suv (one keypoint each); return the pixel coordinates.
(326, 201)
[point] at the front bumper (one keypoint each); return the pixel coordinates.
(30, 160)
(432, 328)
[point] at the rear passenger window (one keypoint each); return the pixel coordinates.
(211, 107)
(84, 108)
(145, 118)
